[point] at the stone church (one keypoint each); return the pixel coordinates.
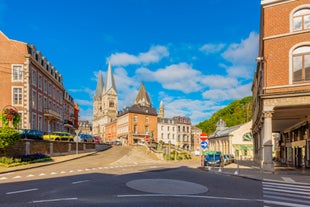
(105, 106)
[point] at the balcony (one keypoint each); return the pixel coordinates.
(68, 124)
(51, 114)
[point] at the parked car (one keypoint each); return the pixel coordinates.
(226, 158)
(31, 134)
(232, 158)
(84, 138)
(97, 139)
(213, 159)
(118, 143)
(58, 136)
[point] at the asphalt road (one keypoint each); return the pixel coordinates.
(125, 176)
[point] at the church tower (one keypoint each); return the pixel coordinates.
(161, 113)
(110, 98)
(105, 103)
(143, 98)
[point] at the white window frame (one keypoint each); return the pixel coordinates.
(293, 17)
(34, 98)
(40, 102)
(302, 44)
(20, 96)
(19, 74)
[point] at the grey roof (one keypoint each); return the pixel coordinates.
(110, 83)
(224, 132)
(143, 97)
(100, 86)
(138, 109)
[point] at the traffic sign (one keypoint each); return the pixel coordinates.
(204, 144)
(203, 136)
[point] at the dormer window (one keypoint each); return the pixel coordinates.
(301, 20)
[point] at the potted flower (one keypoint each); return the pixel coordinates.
(10, 117)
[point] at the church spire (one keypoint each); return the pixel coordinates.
(161, 113)
(143, 98)
(110, 83)
(100, 86)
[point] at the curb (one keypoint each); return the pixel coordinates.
(27, 167)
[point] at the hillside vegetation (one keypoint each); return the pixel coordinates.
(237, 112)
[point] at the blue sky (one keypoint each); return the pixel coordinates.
(196, 56)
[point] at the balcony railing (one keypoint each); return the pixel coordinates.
(51, 114)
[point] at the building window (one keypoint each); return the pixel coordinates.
(40, 81)
(34, 121)
(301, 64)
(40, 102)
(301, 20)
(135, 118)
(135, 129)
(147, 120)
(40, 123)
(17, 73)
(34, 77)
(111, 104)
(17, 96)
(34, 99)
(45, 85)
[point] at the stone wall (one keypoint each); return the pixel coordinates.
(50, 148)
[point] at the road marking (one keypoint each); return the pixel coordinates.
(288, 179)
(62, 172)
(30, 175)
(189, 196)
(22, 191)
(53, 173)
(287, 191)
(81, 181)
(3, 178)
(54, 200)
(17, 177)
(42, 174)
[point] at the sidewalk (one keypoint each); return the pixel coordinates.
(55, 159)
(252, 170)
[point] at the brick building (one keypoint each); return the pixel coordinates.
(31, 84)
(281, 86)
(138, 123)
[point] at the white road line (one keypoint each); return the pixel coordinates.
(287, 191)
(54, 200)
(288, 179)
(17, 177)
(289, 185)
(3, 178)
(294, 188)
(53, 173)
(30, 175)
(42, 174)
(22, 191)
(62, 172)
(81, 181)
(189, 196)
(285, 204)
(286, 199)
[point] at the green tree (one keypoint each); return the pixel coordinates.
(8, 137)
(237, 112)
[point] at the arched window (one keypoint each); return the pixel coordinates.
(301, 20)
(301, 64)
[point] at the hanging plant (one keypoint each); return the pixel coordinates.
(10, 115)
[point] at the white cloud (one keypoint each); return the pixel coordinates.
(235, 93)
(218, 81)
(244, 52)
(86, 114)
(180, 77)
(211, 48)
(155, 54)
(84, 102)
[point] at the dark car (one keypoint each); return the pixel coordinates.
(84, 138)
(213, 159)
(31, 134)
